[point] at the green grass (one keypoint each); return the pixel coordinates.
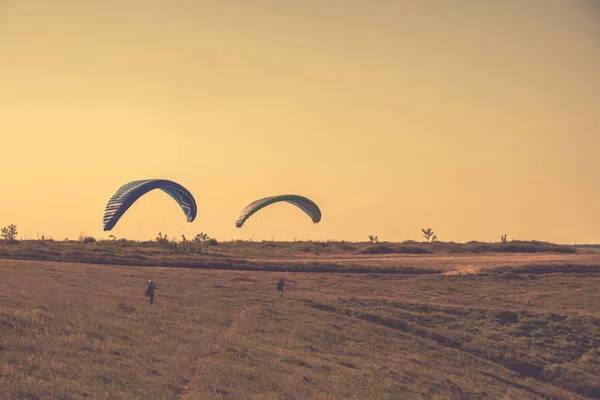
(76, 331)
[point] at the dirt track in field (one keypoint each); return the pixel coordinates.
(450, 262)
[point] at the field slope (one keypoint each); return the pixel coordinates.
(73, 331)
(394, 258)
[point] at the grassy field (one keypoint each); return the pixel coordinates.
(511, 330)
(407, 257)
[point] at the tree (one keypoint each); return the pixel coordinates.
(9, 233)
(428, 234)
(373, 239)
(503, 238)
(201, 238)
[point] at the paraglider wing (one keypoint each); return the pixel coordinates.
(127, 194)
(306, 205)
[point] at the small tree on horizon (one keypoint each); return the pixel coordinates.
(9, 233)
(201, 238)
(428, 234)
(503, 238)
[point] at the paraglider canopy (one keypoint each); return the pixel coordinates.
(303, 203)
(127, 194)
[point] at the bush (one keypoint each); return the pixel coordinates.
(212, 242)
(162, 239)
(9, 233)
(201, 237)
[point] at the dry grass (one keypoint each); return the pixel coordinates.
(411, 257)
(74, 331)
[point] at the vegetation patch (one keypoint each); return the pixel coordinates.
(516, 272)
(226, 333)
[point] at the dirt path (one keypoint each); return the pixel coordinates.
(450, 262)
(470, 269)
(221, 343)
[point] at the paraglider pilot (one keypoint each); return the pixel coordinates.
(150, 291)
(280, 285)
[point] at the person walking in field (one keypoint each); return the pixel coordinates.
(150, 291)
(280, 285)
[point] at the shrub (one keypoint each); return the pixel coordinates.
(201, 237)
(9, 233)
(162, 239)
(428, 234)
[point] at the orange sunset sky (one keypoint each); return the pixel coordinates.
(474, 118)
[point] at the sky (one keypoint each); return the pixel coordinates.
(474, 119)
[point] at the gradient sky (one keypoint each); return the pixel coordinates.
(474, 118)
